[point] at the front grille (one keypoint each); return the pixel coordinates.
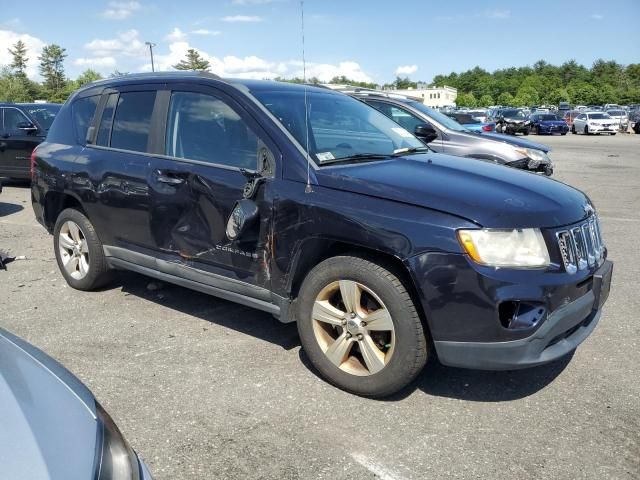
(581, 246)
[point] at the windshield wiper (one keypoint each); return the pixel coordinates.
(357, 157)
(409, 151)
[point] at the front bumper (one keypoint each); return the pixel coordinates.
(553, 129)
(462, 309)
(601, 129)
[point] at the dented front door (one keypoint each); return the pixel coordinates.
(210, 146)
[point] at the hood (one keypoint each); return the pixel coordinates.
(553, 122)
(488, 194)
(48, 429)
(517, 141)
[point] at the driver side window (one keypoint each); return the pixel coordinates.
(204, 128)
(402, 117)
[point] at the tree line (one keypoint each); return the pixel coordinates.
(604, 82)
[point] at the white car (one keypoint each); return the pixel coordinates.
(594, 122)
(621, 116)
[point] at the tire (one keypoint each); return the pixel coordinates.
(573, 130)
(613, 134)
(525, 132)
(397, 352)
(563, 134)
(586, 130)
(79, 253)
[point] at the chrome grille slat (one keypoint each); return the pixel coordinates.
(581, 246)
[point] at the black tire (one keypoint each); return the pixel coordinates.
(573, 130)
(563, 134)
(410, 351)
(98, 270)
(586, 130)
(525, 131)
(613, 134)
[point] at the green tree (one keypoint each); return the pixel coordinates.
(505, 98)
(19, 62)
(404, 83)
(485, 101)
(52, 70)
(342, 80)
(466, 100)
(193, 61)
(12, 88)
(87, 76)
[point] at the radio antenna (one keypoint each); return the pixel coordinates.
(308, 188)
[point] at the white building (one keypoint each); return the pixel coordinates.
(431, 96)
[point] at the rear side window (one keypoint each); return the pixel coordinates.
(204, 128)
(104, 132)
(132, 121)
(83, 110)
(12, 118)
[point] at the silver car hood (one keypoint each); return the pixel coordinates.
(48, 427)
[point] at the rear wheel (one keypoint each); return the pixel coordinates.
(359, 327)
(78, 251)
(573, 130)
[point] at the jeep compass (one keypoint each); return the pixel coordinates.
(317, 208)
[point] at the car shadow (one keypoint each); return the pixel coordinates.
(475, 385)
(435, 380)
(9, 208)
(246, 320)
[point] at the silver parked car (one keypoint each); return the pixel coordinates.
(621, 116)
(52, 427)
(445, 135)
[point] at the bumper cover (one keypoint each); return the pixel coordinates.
(564, 329)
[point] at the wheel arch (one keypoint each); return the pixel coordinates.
(315, 250)
(55, 203)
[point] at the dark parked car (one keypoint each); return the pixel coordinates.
(513, 121)
(22, 127)
(311, 205)
(445, 135)
(52, 426)
(548, 123)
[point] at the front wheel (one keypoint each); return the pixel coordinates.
(573, 130)
(586, 130)
(359, 327)
(79, 251)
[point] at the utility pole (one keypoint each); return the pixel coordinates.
(151, 45)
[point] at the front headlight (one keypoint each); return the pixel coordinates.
(117, 461)
(517, 248)
(536, 157)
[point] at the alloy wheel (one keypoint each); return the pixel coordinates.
(353, 327)
(74, 250)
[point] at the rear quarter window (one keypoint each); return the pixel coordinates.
(83, 110)
(132, 121)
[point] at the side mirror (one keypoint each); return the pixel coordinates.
(27, 126)
(243, 215)
(425, 132)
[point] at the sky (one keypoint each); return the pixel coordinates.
(363, 40)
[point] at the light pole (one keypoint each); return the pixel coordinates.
(151, 45)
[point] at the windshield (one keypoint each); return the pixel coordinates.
(340, 127)
(598, 116)
(617, 113)
(441, 118)
(44, 114)
(514, 114)
(548, 117)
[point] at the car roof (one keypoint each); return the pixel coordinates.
(197, 77)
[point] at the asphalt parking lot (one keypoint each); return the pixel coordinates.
(203, 388)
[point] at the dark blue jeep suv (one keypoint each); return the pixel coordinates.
(317, 208)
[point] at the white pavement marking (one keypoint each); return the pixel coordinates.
(380, 471)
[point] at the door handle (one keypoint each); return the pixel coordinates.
(170, 178)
